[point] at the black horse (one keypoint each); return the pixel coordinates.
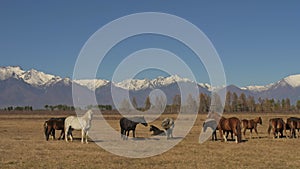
(128, 124)
(156, 131)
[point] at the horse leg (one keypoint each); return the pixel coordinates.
(86, 137)
(127, 134)
(52, 133)
(235, 137)
(82, 135)
(250, 133)
(255, 129)
(66, 133)
(244, 132)
(122, 134)
(133, 133)
(221, 135)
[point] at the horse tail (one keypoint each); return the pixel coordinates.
(46, 130)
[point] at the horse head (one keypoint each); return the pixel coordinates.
(90, 114)
(260, 120)
(143, 121)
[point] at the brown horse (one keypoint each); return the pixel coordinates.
(292, 124)
(54, 124)
(277, 125)
(232, 124)
(212, 123)
(251, 124)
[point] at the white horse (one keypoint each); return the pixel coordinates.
(79, 123)
(168, 125)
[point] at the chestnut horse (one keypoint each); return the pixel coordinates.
(232, 124)
(292, 124)
(251, 124)
(212, 122)
(277, 125)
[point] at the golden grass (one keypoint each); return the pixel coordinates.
(22, 145)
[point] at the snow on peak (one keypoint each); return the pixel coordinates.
(37, 78)
(138, 84)
(135, 84)
(293, 80)
(92, 84)
(10, 71)
(32, 77)
(256, 88)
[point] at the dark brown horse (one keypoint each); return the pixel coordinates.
(54, 124)
(277, 125)
(251, 124)
(232, 124)
(293, 124)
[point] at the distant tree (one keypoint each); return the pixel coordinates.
(298, 105)
(242, 103)
(125, 106)
(251, 103)
(176, 103)
(191, 104)
(216, 103)
(287, 104)
(204, 103)
(46, 106)
(227, 107)
(160, 103)
(134, 103)
(147, 104)
(234, 102)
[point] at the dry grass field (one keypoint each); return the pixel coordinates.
(23, 145)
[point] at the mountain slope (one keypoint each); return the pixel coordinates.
(21, 88)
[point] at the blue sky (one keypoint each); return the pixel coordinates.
(258, 42)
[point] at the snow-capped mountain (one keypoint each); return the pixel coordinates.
(137, 84)
(92, 84)
(32, 77)
(292, 81)
(32, 87)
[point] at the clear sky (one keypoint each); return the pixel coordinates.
(258, 42)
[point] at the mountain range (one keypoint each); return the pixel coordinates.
(35, 88)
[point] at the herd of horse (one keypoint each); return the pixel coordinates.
(83, 123)
(233, 125)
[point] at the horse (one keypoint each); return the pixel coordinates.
(251, 124)
(82, 123)
(54, 124)
(277, 125)
(292, 124)
(156, 131)
(127, 124)
(168, 125)
(233, 125)
(211, 123)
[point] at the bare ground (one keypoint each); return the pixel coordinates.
(22, 145)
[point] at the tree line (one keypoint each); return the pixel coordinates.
(233, 103)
